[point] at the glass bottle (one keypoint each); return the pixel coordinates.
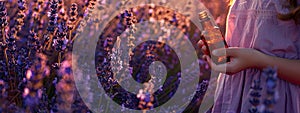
(212, 37)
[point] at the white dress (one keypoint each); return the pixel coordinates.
(254, 24)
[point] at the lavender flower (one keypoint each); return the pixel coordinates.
(72, 21)
(53, 14)
(266, 107)
(78, 105)
(145, 97)
(3, 16)
(202, 87)
(31, 35)
(11, 49)
(91, 4)
(73, 17)
(3, 26)
(33, 43)
(66, 87)
(22, 63)
(43, 102)
(52, 24)
(129, 19)
(62, 12)
(3, 70)
(36, 22)
(5, 107)
(33, 91)
(3, 92)
(60, 40)
(271, 78)
(255, 96)
(36, 10)
(20, 16)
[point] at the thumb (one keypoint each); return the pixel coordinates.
(207, 59)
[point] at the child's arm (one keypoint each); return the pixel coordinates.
(288, 70)
(243, 58)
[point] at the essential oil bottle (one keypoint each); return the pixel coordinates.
(212, 37)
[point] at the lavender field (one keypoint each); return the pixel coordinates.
(37, 39)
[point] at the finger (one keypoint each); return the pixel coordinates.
(219, 68)
(227, 68)
(205, 57)
(225, 52)
(200, 43)
(219, 52)
(208, 60)
(205, 50)
(214, 67)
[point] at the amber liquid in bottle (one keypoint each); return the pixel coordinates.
(212, 37)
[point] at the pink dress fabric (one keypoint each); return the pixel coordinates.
(253, 24)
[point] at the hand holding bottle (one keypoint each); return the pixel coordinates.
(240, 59)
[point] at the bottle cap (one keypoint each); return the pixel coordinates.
(203, 15)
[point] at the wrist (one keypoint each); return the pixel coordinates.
(262, 60)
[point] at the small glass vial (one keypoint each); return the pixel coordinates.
(212, 37)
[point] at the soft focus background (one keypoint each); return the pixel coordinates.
(35, 59)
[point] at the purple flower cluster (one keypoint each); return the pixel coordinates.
(255, 94)
(3, 14)
(272, 94)
(73, 17)
(34, 82)
(3, 43)
(35, 60)
(269, 100)
(65, 87)
(53, 14)
(141, 57)
(19, 21)
(35, 37)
